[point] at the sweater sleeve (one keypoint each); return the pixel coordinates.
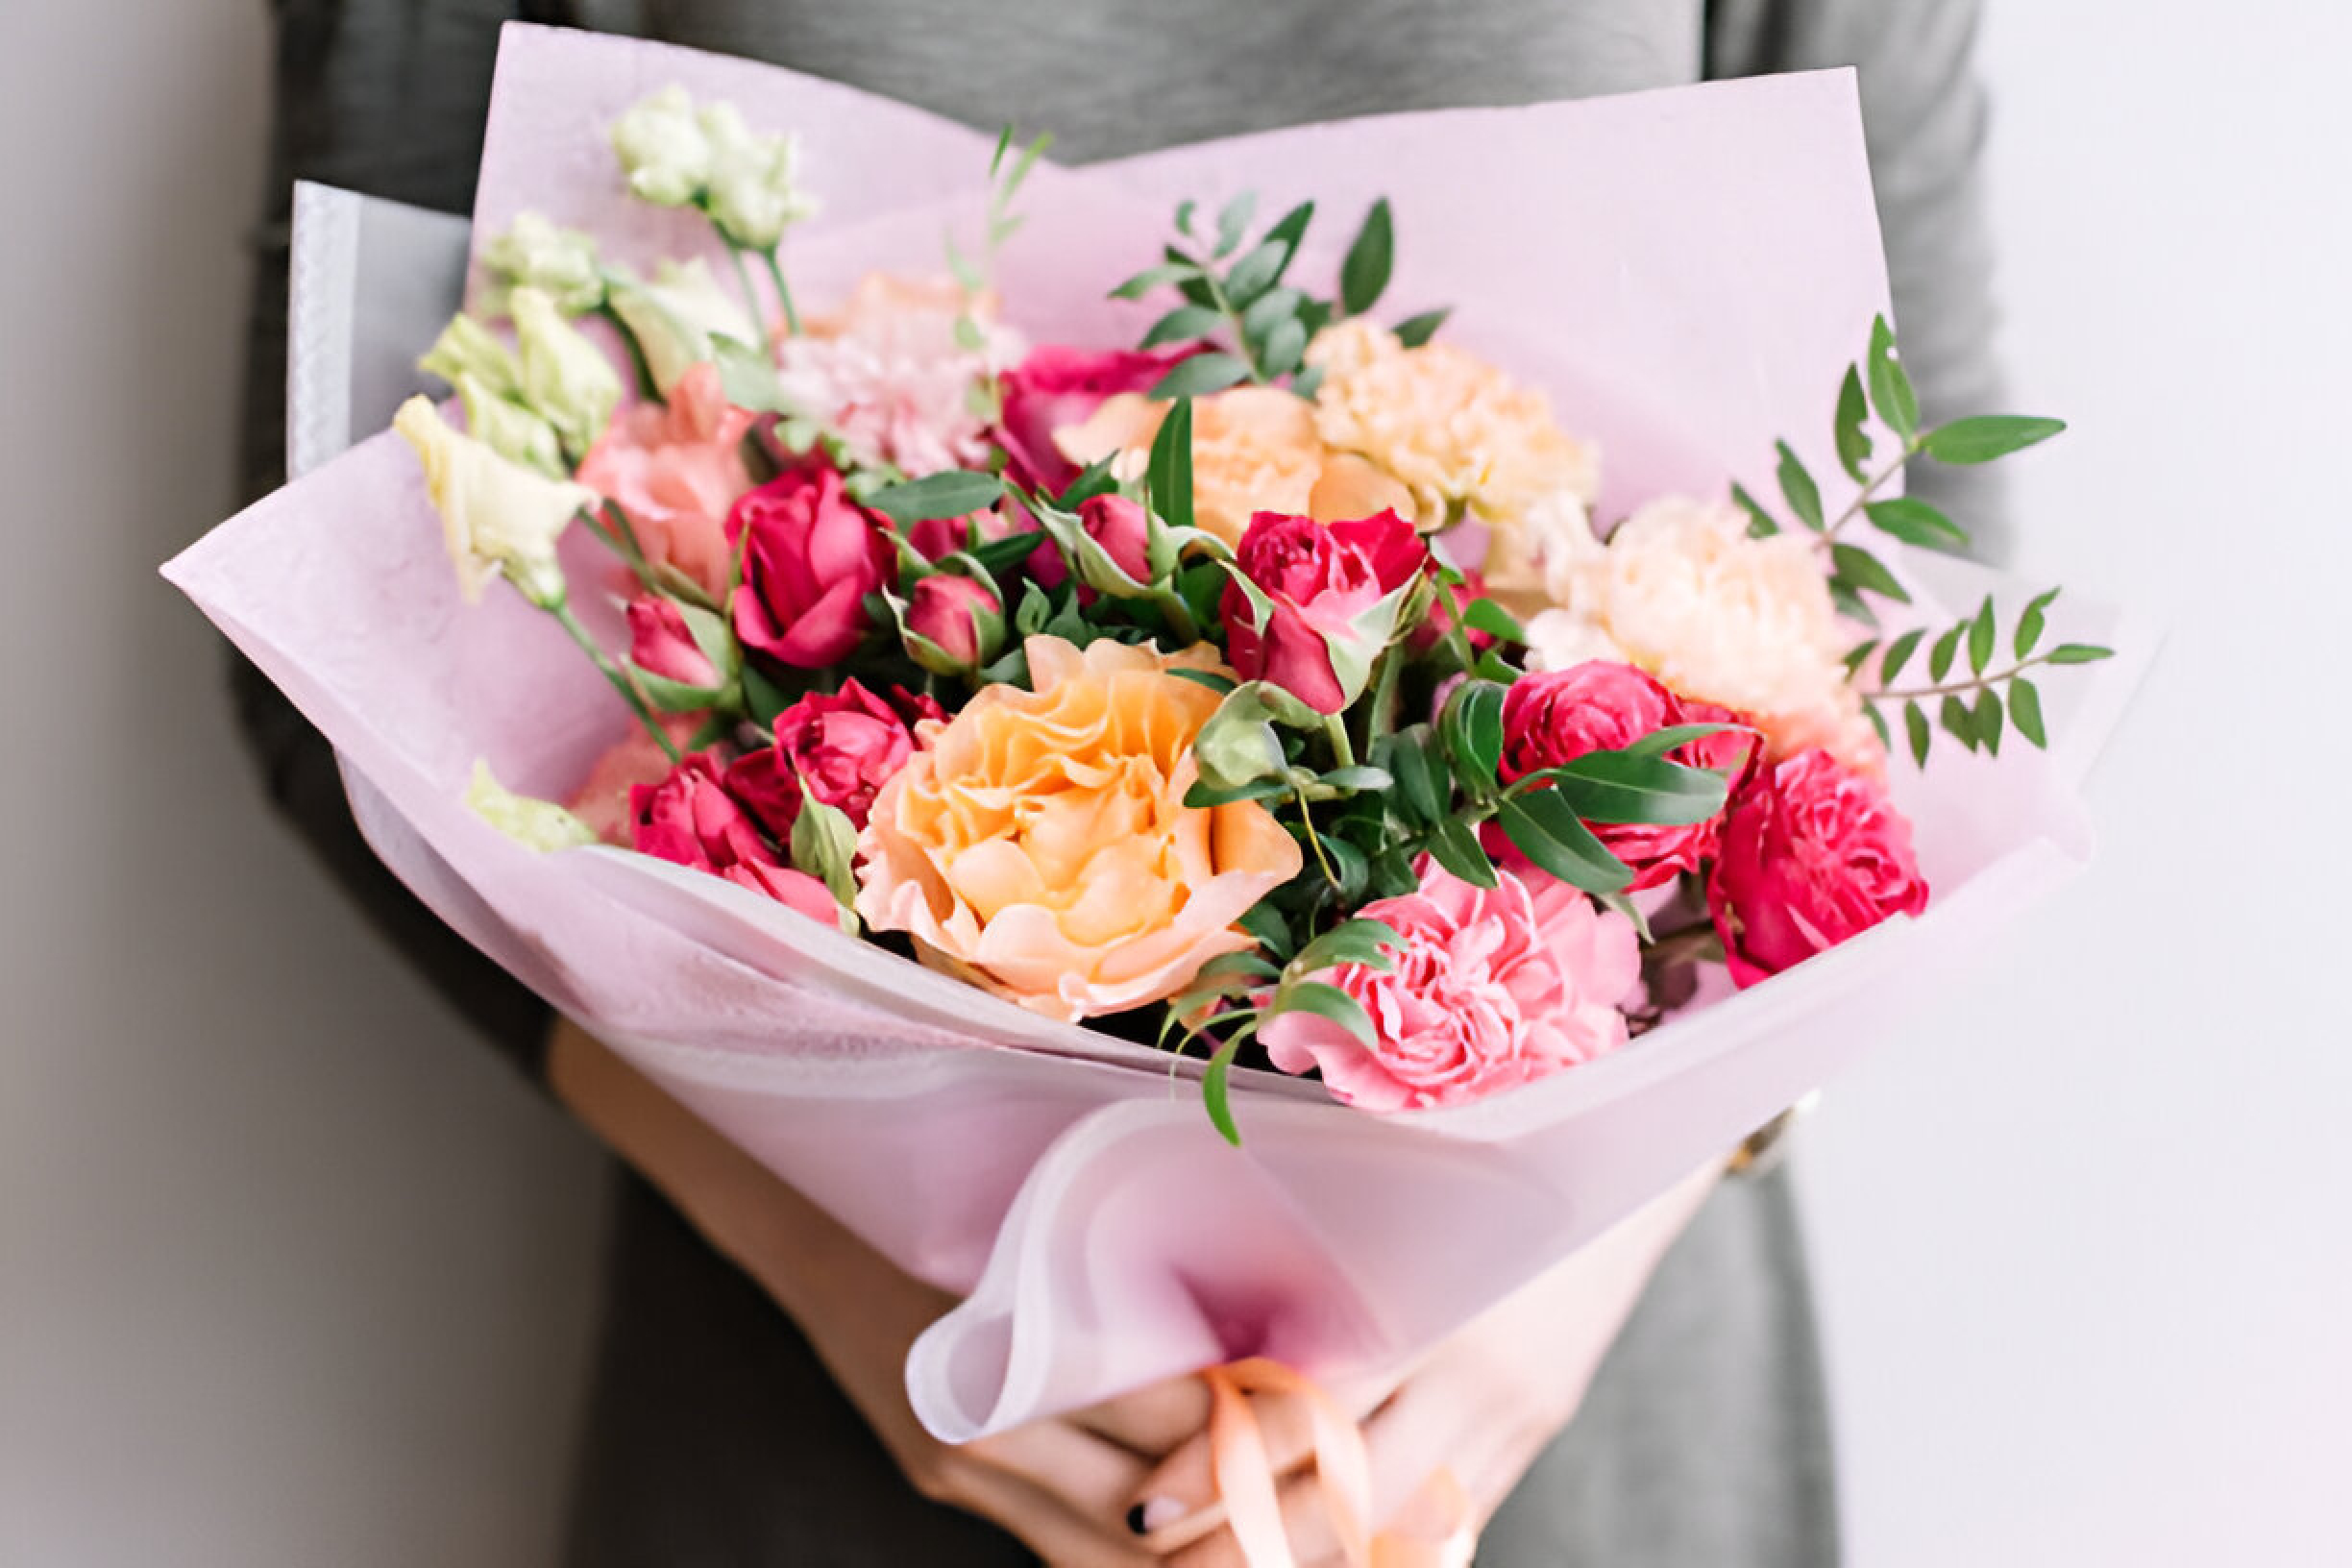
(390, 100)
(1923, 111)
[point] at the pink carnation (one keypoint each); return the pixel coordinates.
(1491, 987)
(675, 469)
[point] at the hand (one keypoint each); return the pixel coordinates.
(1484, 1403)
(1063, 1486)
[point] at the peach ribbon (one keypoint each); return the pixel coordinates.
(1432, 1530)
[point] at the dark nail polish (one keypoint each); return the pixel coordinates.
(1135, 1519)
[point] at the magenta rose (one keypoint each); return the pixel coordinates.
(1058, 386)
(1812, 853)
(689, 819)
(660, 645)
(1318, 579)
(961, 616)
(1552, 719)
(1490, 988)
(847, 745)
(809, 556)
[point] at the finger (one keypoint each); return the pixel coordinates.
(1151, 1421)
(1045, 1524)
(1185, 1482)
(1096, 1479)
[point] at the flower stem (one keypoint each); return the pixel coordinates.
(1335, 727)
(1314, 840)
(784, 294)
(561, 610)
(750, 294)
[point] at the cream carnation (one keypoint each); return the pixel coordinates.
(1682, 591)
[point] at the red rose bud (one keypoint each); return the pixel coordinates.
(960, 617)
(1124, 531)
(811, 556)
(661, 645)
(1058, 386)
(689, 819)
(1812, 854)
(1324, 602)
(1550, 720)
(844, 745)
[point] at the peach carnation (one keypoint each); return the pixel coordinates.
(675, 468)
(1040, 846)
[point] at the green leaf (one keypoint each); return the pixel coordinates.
(1851, 605)
(1940, 657)
(1983, 437)
(1486, 615)
(1415, 330)
(672, 695)
(1546, 830)
(1351, 941)
(1960, 720)
(1216, 680)
(1658, 741)
(1217, 1090)
(1916, 523)
(1183, 216)
(1167, 472)
(1255, 273)
(1201, 796)
(1455, 846)
(1890, 386)
(1403, 756)
(1361, 778)
(1761, 524)
(1233, 220)
(1270, 310)
(1856, 654)
(2026, 711)
(1151, 277)
(1899, 653)
(1915, 721)
(2030, 624)
(1196, 288)
(1612, 787)
(1989, 719)
(2078, 654)
(951, 494)
(1328, 1002)
(1797, 484)
(1878, 722)
(1185, 324)
(1200, 375)
(1265, 922)
(1363, 277)
(1291, 227)
(824, 846)
(1866, 573)
(1853, 443)
(1981, 632)
(1472, 729)
(1285, 346)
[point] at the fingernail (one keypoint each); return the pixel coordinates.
(1155, 1514)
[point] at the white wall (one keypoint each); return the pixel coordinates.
(288, 1276)
(2082, 1241)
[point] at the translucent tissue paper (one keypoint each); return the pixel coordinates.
(1686, 272)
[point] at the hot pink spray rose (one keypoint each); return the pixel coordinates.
(1118, 525)
(1552, 719)
(636, 758)
(689, 819)
(661, 645)
(847, 745)
(1812, 853)
(1319, 578)
(961, 616)
(1491, 987)
(811, 555)
(1056, 387)
(675, 469)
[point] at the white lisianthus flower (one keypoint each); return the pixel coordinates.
(753, 194)
(497, 516)
(565, 379)
(510, 430)
(560, 262)
(664, 152)
(1683, 592)
(674, 317)
(466, 348)
(540, 825)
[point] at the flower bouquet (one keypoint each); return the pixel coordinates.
(954, 674)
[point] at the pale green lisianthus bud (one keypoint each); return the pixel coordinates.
(565, 379)
(466, 347)
(674, 317)
(559, 263)
(536, 825)
(508, 429)
(664, 152)
(752, 192)
(497, 516)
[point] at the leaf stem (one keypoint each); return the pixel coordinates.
(1953, 688)
(1232, 318)
(1315, 840)
(561, 610)
(1870, 488)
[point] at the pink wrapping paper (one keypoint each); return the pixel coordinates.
(1688, 272)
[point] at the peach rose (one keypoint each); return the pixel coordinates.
(1682, 591)
(675, 469)
(1254, 450)
(1040, 846)
(1460, 436)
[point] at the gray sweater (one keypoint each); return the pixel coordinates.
(714, 1437)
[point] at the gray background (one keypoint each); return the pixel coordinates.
(290, 1275)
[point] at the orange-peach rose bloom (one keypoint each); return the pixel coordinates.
(1040, 846)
